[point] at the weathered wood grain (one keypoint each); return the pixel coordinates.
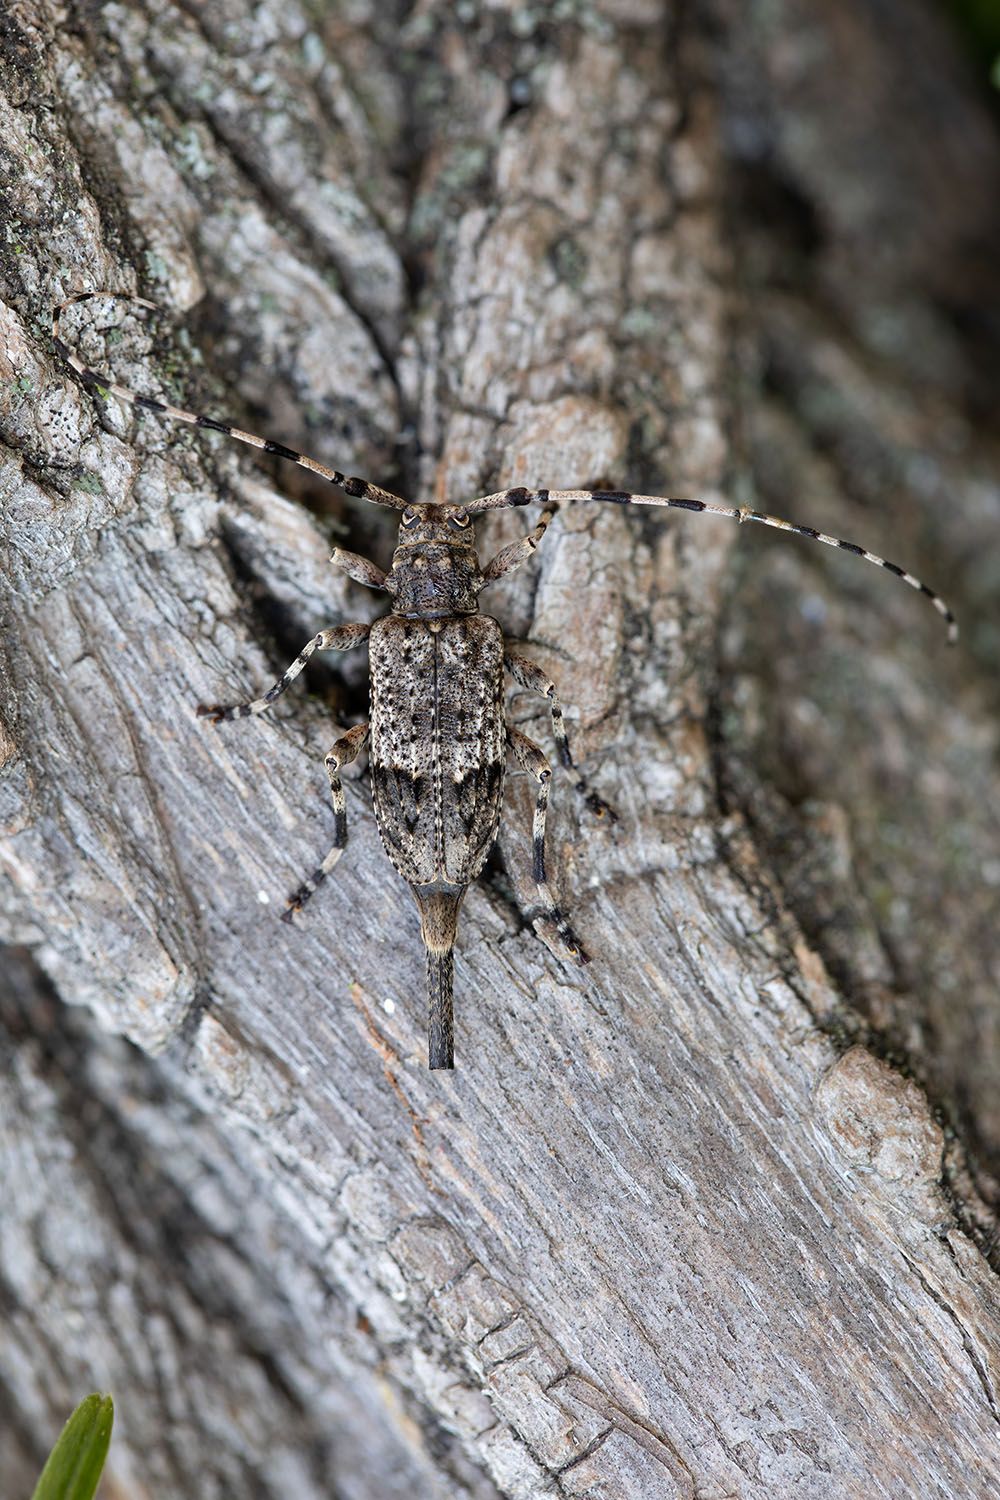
(681, 1224)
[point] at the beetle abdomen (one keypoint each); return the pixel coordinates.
(437, 743)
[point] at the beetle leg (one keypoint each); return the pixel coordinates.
(337, 638)
(509, 558)
(531, 759)
(346, 750)
(534, 679)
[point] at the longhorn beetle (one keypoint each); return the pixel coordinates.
(437, 737)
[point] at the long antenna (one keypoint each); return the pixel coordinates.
(361, 488)
(517, 497)
(503, 499)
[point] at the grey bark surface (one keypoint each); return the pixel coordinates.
(713, 1217)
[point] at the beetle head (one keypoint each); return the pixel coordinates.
(435, 570)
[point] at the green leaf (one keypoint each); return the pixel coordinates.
(76, 1461)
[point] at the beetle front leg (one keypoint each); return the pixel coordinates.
(346, 750)
(361, 569)
(534, 679)
(531, 759)
(337, 638)
(510, 558)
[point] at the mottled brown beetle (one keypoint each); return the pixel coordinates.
(437, 737)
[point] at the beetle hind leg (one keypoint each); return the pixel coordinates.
(347, 749)
(531, 759)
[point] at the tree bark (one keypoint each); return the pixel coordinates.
(712, 1217)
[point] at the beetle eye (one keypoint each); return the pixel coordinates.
(410, 517)
(460, 520)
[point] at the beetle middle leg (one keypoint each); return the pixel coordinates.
(337, 638)
(346, 750)
(531, 759)
(534, 679)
